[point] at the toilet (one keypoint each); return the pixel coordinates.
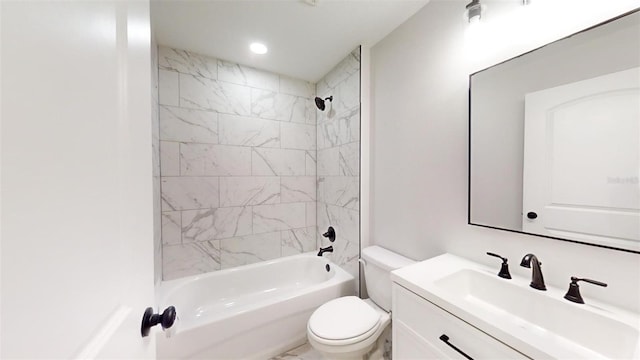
(348, 327)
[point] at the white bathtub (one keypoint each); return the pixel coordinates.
(253, 311)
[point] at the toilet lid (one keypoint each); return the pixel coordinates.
(343, 318)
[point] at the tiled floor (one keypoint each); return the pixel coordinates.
(304, 352)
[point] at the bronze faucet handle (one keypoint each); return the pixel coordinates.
(504, 270)
(573, 294)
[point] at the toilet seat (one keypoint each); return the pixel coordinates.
(344, 321)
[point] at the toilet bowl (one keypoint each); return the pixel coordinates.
(346, 327)
(349, 327)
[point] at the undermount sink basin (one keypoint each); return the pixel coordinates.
(541, 324)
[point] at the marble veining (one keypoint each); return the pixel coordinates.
(280, 162)
(244, 75)
(187, 62)
(348, 66)
(253, 190)
(249, 131)
(298, 189)
(168, 89)
(184, 193)
(238, 163)
(349, 159)
(328, 162)
(219, 223)
(311, 213)
(206, 94)
(298, 136)
(171, 228)
(214, 160)
(339, 130)
(347, 95)
(303, 352)
(250, 249)
(346, 255)
(190, 259)
(296, 241)
(276, 217)
(347, 220)
(188, 125)
(307, 352)
(169, 158)
(272, 105)
(340, 190)
(310, 162)
(338, 162)
(291, 86)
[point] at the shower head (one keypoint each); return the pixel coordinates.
(320, 103)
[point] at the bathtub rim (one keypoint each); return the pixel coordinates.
(167, 288)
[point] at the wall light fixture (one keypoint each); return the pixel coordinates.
(474, 11)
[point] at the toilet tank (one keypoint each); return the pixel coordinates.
(379, 262)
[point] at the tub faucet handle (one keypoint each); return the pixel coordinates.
(330, 234)
(504, 270)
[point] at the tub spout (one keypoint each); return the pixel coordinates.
(324, 250)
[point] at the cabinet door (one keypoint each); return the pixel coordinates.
(430, 322)
(407, 345)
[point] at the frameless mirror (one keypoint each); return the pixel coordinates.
(554, 139)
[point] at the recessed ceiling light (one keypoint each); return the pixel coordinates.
(258, 48)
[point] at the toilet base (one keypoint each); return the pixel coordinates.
(350, 352)
(360, 350)
(375, 351)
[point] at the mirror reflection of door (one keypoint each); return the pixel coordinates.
(581, 160)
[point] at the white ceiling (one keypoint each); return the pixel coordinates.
(304, 41)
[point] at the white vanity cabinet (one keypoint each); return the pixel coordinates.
(418, 326)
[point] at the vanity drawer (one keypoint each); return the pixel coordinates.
(431, 322)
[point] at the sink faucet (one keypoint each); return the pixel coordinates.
(537, 281)
(324, 250)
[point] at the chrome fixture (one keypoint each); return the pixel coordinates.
(537, 281)
(320, 103)
(324, 250)
(473, 11)
(504, 270)
(573, 294)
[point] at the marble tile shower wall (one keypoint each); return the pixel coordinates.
(238, 164)
(338, 132)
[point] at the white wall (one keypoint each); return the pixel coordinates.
(420, 140)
